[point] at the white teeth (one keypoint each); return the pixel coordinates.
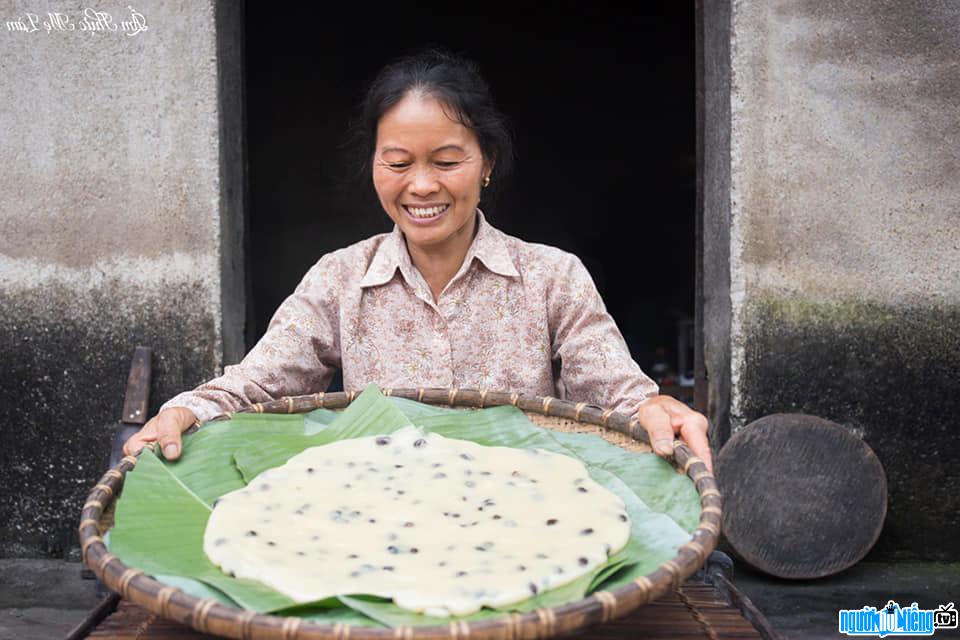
(427, 213)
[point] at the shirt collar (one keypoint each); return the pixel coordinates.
(386, 260)
(488, 246)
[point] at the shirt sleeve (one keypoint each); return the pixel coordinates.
(593, 359)
(297, 355)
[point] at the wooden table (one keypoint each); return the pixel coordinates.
(698, 611)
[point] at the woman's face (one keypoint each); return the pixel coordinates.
(428, 171)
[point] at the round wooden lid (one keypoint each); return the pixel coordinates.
(803, 497)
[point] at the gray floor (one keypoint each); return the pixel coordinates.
(809, 608)
(44, 599)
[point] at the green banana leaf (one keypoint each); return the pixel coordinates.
(206, 464)
(159, 525)
(163, 510)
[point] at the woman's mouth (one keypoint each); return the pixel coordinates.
(426, 214)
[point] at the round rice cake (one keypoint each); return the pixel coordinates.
(440, 525)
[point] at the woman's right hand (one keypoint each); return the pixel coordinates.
(164, 427)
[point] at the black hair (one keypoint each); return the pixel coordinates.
(453, 80)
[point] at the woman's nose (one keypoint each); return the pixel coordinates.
(423, 180)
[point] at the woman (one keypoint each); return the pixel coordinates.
(445, 300)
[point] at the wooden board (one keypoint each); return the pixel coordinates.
(803, 497)
(704, 615)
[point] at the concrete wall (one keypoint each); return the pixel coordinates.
(845, 237)
(116, 229)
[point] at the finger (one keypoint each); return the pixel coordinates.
(693, 427)
(168, 429)
(694, 433)
(137, 441)
(659, 427)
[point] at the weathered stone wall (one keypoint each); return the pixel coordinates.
(845, 238)
(112, 228)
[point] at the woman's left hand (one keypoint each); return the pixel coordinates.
(665, 417)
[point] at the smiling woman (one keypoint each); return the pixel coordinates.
(445, 299)
(428, 173)
(432, 137)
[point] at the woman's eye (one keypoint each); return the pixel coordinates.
(404, 165)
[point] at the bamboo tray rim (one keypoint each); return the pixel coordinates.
(209, 616)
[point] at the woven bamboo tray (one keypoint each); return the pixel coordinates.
(599, 607)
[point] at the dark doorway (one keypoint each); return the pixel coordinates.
(602, 105)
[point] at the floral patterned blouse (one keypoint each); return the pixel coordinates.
(517, 316)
